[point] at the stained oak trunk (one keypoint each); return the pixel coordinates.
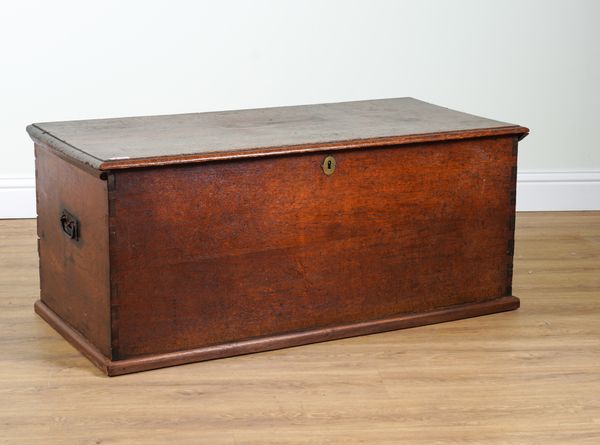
(202, 236)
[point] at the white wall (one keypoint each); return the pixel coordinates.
(535, 63)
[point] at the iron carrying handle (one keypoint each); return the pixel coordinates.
(69, 225)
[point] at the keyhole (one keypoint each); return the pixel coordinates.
(328, 165)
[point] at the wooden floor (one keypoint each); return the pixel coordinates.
(530, 376)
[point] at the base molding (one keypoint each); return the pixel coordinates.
(261, 344)
(558, 191)
(17, 197)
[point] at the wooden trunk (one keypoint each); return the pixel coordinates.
(173, 239)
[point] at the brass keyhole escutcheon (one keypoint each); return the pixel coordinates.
(328, 165)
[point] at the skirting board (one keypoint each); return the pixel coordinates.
(561, 191)
(17, 198)
(536, 191)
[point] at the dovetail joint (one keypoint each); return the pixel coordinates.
(511, 224)
(510, 248)
(509, 277)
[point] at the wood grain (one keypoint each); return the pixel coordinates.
(108, 144)
(524, 377)
(192, 262)
(271, 342)
(230, 251)
(74, 274)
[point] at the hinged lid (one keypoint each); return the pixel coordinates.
(107, 144)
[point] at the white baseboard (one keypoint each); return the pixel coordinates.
(17, 198)
(536, 191)
(559, 190)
